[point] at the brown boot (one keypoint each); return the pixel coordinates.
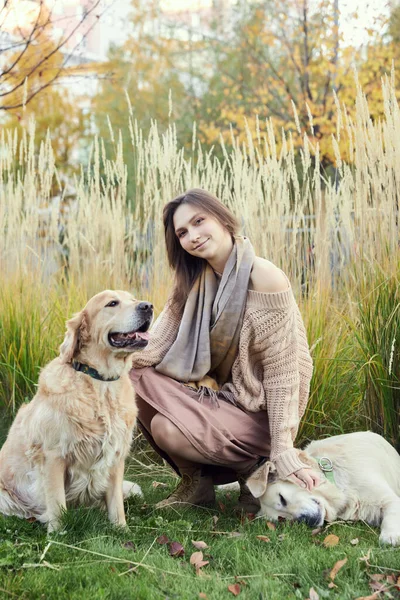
(192, 489)
(246, 502)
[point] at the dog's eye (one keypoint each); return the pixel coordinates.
(282, 500)
(112, 303)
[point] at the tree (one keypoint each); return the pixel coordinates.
(32, 57)
(282, 54)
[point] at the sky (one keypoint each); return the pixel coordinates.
(353, 31)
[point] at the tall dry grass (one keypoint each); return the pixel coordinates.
(57, 252)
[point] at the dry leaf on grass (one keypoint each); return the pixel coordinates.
(162, 539)
(336, 568)
(235, 534)
(372, 597)
(234, 589)
(312, 594)
(263, 538)
(197, 561)
(332, 585)
(316, 531)
(271, 526)
(157, 484)
(214, 521)
(199, 545)
(354, 542)
(203, 596)
(221, 506)
(331, 540)
(176, 549)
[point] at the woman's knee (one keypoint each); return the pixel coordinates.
(163, 431)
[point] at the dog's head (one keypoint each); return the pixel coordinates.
(111, 322)
(281, 498)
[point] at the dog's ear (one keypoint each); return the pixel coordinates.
(258, 481)
(77, 334)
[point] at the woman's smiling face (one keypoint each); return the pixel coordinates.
(200, 234)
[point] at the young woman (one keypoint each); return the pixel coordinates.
(231, 317)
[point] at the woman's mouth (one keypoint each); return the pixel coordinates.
(202, 244)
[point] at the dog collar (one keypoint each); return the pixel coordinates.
(326, 466)
(90, 371)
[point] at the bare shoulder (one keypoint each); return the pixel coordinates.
(266, 277)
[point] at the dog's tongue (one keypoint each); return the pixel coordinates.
(143, 334)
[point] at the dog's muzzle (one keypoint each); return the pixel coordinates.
(137, 337)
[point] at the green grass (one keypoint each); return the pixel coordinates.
(91, 559)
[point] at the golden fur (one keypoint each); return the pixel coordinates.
(68, 445)
(367, 486)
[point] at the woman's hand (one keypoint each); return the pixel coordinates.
(306, 478)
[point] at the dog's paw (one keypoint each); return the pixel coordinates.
(390, 537)
(53, 526)
(131, 489)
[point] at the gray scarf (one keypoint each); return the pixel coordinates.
(208, 334)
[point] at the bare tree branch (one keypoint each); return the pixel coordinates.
(35, 31)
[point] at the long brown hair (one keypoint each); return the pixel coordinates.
(187, 267)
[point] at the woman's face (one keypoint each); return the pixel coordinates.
(200, 234)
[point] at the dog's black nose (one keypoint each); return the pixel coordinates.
(145, 307)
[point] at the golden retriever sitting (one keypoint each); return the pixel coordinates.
(68, 445)
(365, 485)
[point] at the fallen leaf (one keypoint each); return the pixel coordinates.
(214, 521)
(196, 557)
(245, 517)
(129, 545)
(221, 506)
(157, 484)
(203, 596)
(336, 568)
(372, 597)
(271, 526)
(313, 594)
(234, 589)
(332, 585)
(263, 538)
(376, 586)
(331, 540)
(354, 542)
(235, 534)
(199, 545)
(176, 549)
(281, 537)
(162, 539)
(316, 531)
(378, 577)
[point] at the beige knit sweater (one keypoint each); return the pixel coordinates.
(272, 370)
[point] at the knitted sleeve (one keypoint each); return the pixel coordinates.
(162, 336)
(285, 368)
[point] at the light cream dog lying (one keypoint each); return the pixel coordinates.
(366, 487)
(68, 445)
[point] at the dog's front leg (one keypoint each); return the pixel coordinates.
(54, 472)
(390, 528)
(114, 495)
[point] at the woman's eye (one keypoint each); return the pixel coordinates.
(199, 220)
(282, 500)
(113, 303)
(181, 234)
